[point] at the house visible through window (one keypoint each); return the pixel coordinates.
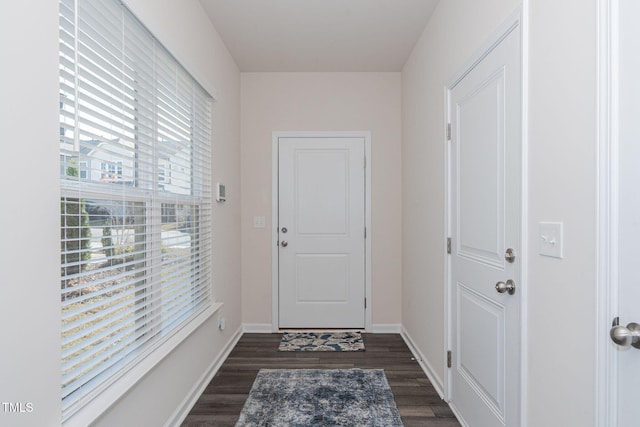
(135, 181)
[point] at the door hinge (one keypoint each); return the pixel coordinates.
(449, 359)
(365, 232)
(365, 162)
(448, 131)
(365, 303)
(449, 245)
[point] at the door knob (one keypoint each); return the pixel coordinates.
(284, 243)
(625, 336)
(509, 287)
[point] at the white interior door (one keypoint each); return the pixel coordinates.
(485, 221)
(628, 357)
(321, 232)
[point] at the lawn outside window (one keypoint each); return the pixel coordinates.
(135, 180)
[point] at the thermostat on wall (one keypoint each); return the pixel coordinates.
(221, 195)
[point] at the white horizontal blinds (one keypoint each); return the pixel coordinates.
(135, 175)
(201, 149)
(103, 299)
(67, 88)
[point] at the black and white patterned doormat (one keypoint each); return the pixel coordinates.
(322, 341)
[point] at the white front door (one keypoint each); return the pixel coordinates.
(321, 224)
(485, 188)
(628, 299)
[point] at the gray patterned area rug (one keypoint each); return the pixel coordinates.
(318, 397)
(322, 341)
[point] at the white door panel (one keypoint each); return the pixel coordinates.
(485, 220)
(481, 346)
(322, 208)
(322, 278)
(481, 171)
(321, 180)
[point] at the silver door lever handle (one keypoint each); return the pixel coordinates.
(625, 336)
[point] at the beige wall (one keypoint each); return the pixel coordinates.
(562, 187)
(562, 180)
(30, 214)
(321, 102)
(29, 254)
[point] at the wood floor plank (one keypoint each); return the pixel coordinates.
(222, 400)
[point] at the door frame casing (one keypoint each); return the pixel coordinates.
(607, 214)
(517, 21)
(366, 135)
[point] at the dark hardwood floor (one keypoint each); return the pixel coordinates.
(417, 400)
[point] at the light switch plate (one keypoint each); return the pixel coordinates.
(259, 222)
(550, 235)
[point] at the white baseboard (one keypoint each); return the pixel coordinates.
(267, 328)
(386, 328)
(192, 397)
(424, 364)
(257, 328)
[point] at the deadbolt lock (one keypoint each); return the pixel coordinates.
(510, 256)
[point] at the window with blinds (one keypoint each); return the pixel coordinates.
(135, 179)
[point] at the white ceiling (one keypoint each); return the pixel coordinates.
(319, 35)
